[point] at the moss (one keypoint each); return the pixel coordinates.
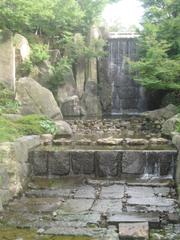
(178, 126)
(27, 234)
(27, 125)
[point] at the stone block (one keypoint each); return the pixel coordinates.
(83, 162)
(72, 206)
(134, 230)
(107, 163)
(112, 192)
(58, 163)
(133, 162)
(107, 206)
(39, 163)
(86, 192)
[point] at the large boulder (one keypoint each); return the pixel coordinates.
(169, 126)
(36, 99)
(162, 113)
(63, 129)
(90, 100)
(71, 107)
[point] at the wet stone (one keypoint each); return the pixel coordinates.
(134, 230)
(49, 193)
(108, 163)
(82, 162)
(133, 162)
(112, 192)
(76, 205)
(86, 192)
(152, 218)
(140, 192)
(58, 163)
(107, 206)
(39, 162)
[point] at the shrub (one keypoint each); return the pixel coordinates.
(39, 53)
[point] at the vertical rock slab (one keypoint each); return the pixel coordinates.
(7, 59)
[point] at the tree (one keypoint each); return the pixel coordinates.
(159, 46)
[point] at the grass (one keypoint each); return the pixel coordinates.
(27, 125)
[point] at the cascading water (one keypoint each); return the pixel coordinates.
(127, 96)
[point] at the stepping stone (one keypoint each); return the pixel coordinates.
(76, 206)
(86, 192)
(140, 192)
(152, 218)
(49, 193)
(112, 192)
(107, 206)
(134, 230)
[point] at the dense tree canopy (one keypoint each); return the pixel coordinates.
(159, 45)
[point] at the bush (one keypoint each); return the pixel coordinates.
(25, 68)
(178, 126)
(39, 53)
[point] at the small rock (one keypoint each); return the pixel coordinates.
(157, 141)
(110, 141)
(62, 141)
(40, 230)
(133, 141)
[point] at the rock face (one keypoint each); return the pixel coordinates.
(162, 113)
(36, 99)
(7, 60)
(22, 48)
(63, 129)
(90, 100)
(170, 125)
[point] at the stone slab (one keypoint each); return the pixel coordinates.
(112, 192)
(76, 206)
(83, 162)
(49, 193)
(107, 206)
(140, 192)
(134, 230)
(108, 163)
(58, 163)
(39, 163)
(133, 162)
(86, 192)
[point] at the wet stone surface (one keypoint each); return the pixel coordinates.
(87, 207)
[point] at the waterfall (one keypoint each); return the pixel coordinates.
(127, 95)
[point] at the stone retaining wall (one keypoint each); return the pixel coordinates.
(14, 166)
(100, 163)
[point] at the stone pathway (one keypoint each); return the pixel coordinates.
(101, 209)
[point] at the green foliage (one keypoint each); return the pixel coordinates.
(178, 126)
(59, 71)
(8, 104)
(39, 53)
(25, 68)
(159, 46)
(27, 125)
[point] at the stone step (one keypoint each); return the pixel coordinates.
(102, 163)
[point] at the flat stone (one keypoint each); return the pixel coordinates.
(133, 162)
(136, 142)
(140, 192)
(157, 141)
(162, 191)
(58, 163)
(62, 141)
(86, 192)
(152, 218)
(84, 141)
(35, 205)
(76, 205)
(111, 234)
(134, 230)
(82, 162)
(108, 163)
(70, 231)
(49, 193)
(83, 219)
(107, 205)
(112, 192)
(39, 163)
(110, 141)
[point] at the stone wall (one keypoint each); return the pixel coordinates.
(14, 166)
(7, 59)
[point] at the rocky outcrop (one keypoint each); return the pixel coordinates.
(90, 100)
(22, 49)
(162, 113)
(36, 99)
(7, 59)
(169, 126)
